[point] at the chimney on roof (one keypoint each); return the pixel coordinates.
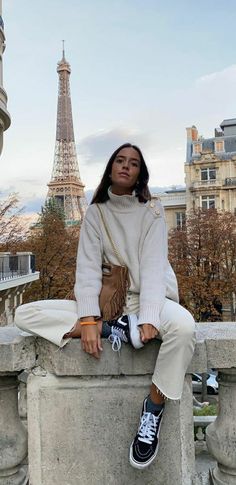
(192, 133)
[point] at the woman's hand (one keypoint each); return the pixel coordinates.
(147, 332)
(91, 339)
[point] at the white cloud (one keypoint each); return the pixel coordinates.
(211, 99)
(227, 74)
(95, 150)
(98, 147)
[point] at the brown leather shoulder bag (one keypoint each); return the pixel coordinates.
(115, 281)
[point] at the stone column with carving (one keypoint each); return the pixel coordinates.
(16, 353)
(221, 435)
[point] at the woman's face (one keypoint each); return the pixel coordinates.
(125, 171)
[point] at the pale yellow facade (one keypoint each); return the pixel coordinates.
(210, 175)
(174, 203)
(210, 169)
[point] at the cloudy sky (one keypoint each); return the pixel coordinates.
(142, 71)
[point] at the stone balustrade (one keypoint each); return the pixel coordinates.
(16, 353)
(83, 413)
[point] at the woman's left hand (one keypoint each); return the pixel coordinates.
(147, 332)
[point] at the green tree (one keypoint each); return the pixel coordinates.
(55, 248)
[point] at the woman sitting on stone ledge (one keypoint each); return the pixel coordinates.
(151, 309)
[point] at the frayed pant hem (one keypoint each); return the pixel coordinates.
(164, 395)
(63, 342)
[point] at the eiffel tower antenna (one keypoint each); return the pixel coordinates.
(65, 185)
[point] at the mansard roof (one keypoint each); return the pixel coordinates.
(228, 122)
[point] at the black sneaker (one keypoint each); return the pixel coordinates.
(144, 448)
(124, 329)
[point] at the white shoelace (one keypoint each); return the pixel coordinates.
(115, 341)
(147, 428)
(116, 337)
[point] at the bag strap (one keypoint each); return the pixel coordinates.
(110, 237)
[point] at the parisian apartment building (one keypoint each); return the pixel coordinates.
(210, 175)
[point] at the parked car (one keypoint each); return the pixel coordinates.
(212, 384)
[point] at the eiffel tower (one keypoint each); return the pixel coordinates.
(66, 186)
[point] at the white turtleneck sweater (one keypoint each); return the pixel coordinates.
(139, 232)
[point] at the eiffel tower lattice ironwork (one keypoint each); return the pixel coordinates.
(66, 186)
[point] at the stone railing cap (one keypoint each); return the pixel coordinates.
(215, 348)
(16, 352)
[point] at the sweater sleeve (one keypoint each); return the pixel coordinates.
(88, 269)
(153, 264)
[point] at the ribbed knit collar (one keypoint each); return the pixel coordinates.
(122, 203)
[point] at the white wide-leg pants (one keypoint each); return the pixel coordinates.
(51, 319)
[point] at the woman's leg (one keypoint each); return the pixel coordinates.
(177, 331)
(50, 319)
(156, 396)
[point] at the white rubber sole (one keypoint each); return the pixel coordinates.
(134, 332)
(140, 466)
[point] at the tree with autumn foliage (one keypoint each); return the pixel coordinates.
(55, 249)
(203, 255)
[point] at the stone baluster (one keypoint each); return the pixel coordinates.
(13, 434)
(22, 396)
(16, 353)
(221, 435)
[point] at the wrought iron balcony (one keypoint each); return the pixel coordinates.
(230, 181)
(15, 265)
(199, 184)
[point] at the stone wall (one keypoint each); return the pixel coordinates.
(83, 413)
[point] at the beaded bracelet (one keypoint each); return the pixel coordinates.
(89, 323)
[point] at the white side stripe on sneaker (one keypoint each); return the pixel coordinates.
(120, 321)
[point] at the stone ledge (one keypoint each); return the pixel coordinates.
(16, 352)
(203, 421)
(215, 348)
(71, 360)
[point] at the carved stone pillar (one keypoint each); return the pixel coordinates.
(13, 434)
(16, 353)
(221, 435)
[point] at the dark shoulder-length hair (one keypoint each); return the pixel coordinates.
(141, 189)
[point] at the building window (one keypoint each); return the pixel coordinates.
(208, 174)
(180, 220)
(197, 148)
(208, 202)
(219, 146)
